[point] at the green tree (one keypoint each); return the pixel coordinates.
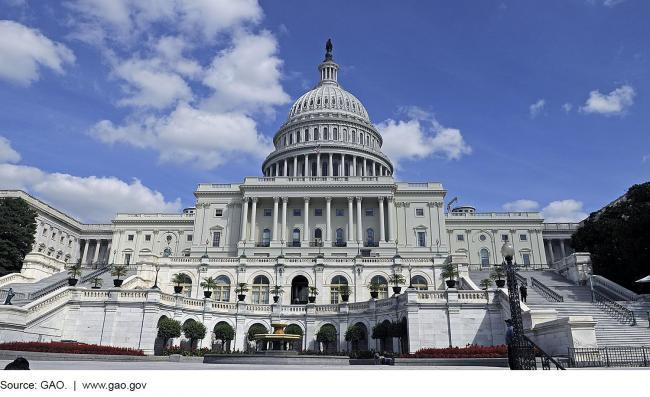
(193, 330)
(618, 238)
(326, 335)
(223, 332)
(17, 229)
(255, 329)
(354, 334)
(293, 329)
(168, 328)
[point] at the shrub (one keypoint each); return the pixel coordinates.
(469, 351)
(70, 347)
(168, 328)
(194, 353)
(224, 332)
(326, 335)
(293, 329)
(354, 334)
(256, 329)
(362, 354)
(193, 330)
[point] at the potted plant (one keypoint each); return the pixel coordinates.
(397, 279)
(118, 271)
(178, 279)
(97, 283)
(344, 290)
(450, 273)
(374, 288)
(208, 284)
(241, 290)
(276, 290)
(498, 274)
(486, 283)
(313, 291)
(74, 272)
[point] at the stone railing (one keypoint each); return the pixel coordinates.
(608, 286)
(474, 296)
(431, 296)
(15, 278)
(358, 306)
(575, 267)
(327, 308)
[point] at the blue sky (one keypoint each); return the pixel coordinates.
(126, 105)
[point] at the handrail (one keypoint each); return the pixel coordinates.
(62, 283)
(613, 288)
(522, 280)
(546, 358)
(545, 291)
(613, 308)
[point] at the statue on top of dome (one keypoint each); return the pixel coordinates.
(328, 49)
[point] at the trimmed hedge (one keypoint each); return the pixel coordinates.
(70, 347)
(470, 351)
(184, 352)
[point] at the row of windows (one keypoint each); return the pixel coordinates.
(327, 101)
(504, 237)
(324, 135)
(319, 212)
(147, 237)
(484, 255)
(61, 239)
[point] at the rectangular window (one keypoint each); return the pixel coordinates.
(296, 212)
(422, 239)
(268, 212)
(340, 212)
(526, 258)
(318, 212)
(62, 238)
(127, 259)
(53, 236)
(216, 239)
(130, 237)
(190, 237)
(523, 237)
(504, 237)
(147, 237)
(370, 212)
(460, 237)
(419, 212)
(218, 212)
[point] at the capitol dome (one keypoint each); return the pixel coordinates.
(327, 133)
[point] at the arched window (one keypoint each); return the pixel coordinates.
(354, 136)
(306, 135)
(318, 236)
(222, 290)
(290, 139)
(339, 237)
(383, 286)
(485, 257)
(370, 237)
(419, 282)
(297, 136)
(336, 134)
(325, 134)
(260, 290)
(295, 237)
(266, 238)
(335, 168)
(335, 285)
(325, 168)
(316, 137)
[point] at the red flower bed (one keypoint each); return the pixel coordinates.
(70, 347)
(470, 351)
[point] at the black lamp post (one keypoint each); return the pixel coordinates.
(155, 283)
(410, 278)
(524, 356)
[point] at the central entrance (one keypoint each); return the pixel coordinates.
(299, 290)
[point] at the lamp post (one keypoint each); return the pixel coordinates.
(522, 354)
(410, 278)
(155, 283)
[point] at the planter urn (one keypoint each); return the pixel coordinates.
(117, 283)
(374, 294)
(397, 290)
(241, 297)
(451, 283)
(345, 298)
(500, 283)
(207, 294)
(72, 282)
(312, 299)
(276, 298)
(178, 289)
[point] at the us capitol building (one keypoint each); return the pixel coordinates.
(326, 212)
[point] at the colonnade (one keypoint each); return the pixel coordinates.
(326, 164)
(97, 244)
(354, 209)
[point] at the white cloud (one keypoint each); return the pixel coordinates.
(189, 135)
(7, 153)
(645, 158)
(564, 211)
(612, 3)
(24, 51)
(567, 107)
(420, 137)
(522, 205)
(536, 108)
(89, 199)
(246, 75)
(612, 104)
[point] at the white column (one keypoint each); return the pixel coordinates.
(330, 166)
(354, 166)
(306, 165)
(277, 169)
(365, 170)
(244, 219)
(382, 234)
(286, 168)
(318, 166)
(85, 254)
(359, 223)
(561, 248)
(391, 219)
(285, 200)
(275, 218)
(108, 251)
(374, 168)
(350, 220)
(306, 233)
(295, 165)
(253, 219)
(328, 215)
(98, 244)
(342, 172)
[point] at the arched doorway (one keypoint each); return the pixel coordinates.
(361, 344)
(299, 290)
